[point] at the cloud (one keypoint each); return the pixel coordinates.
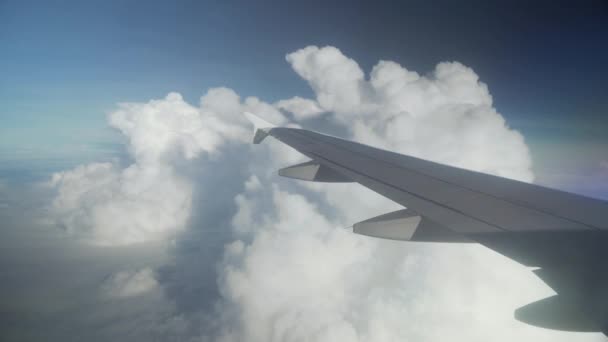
(336, 79)
(306, 284)
(301, 108)
(295, 275)
(129, 283)
(291, 272)
(150, 199)
(446, 116)
(304, 278)
(105, 205)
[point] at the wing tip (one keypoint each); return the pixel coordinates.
(261, 127)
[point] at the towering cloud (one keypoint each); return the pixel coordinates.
(304, 278)
(150, 199)
(446, 116)
(336, 79)
(292, 273)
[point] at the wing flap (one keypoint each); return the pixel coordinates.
(314, 172)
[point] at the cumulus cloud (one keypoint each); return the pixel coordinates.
(150, 199)
(446, 116)
(303, 278)
(301, 108)
(336, 79)
(293, 273)
(105, 205)
(305, 285)
(129, 283)
(297, 276)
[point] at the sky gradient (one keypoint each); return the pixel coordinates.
(67, 64)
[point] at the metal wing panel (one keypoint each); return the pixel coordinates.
(456, 221)
(583, 210)
(418, 189)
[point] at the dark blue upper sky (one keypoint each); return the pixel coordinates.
(66, 63)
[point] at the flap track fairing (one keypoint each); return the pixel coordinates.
(407, 225)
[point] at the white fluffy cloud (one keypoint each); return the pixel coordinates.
(104, 205)
(301, 108)
(299, 266)
(303, 278)
(336, 79)
(129, 283)
(293, 273)
(150, 199)
(446, 116)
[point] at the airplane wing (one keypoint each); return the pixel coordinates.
(564, 235)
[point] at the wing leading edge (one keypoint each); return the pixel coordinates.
(564, 234)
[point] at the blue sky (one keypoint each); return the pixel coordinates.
(66, 64)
